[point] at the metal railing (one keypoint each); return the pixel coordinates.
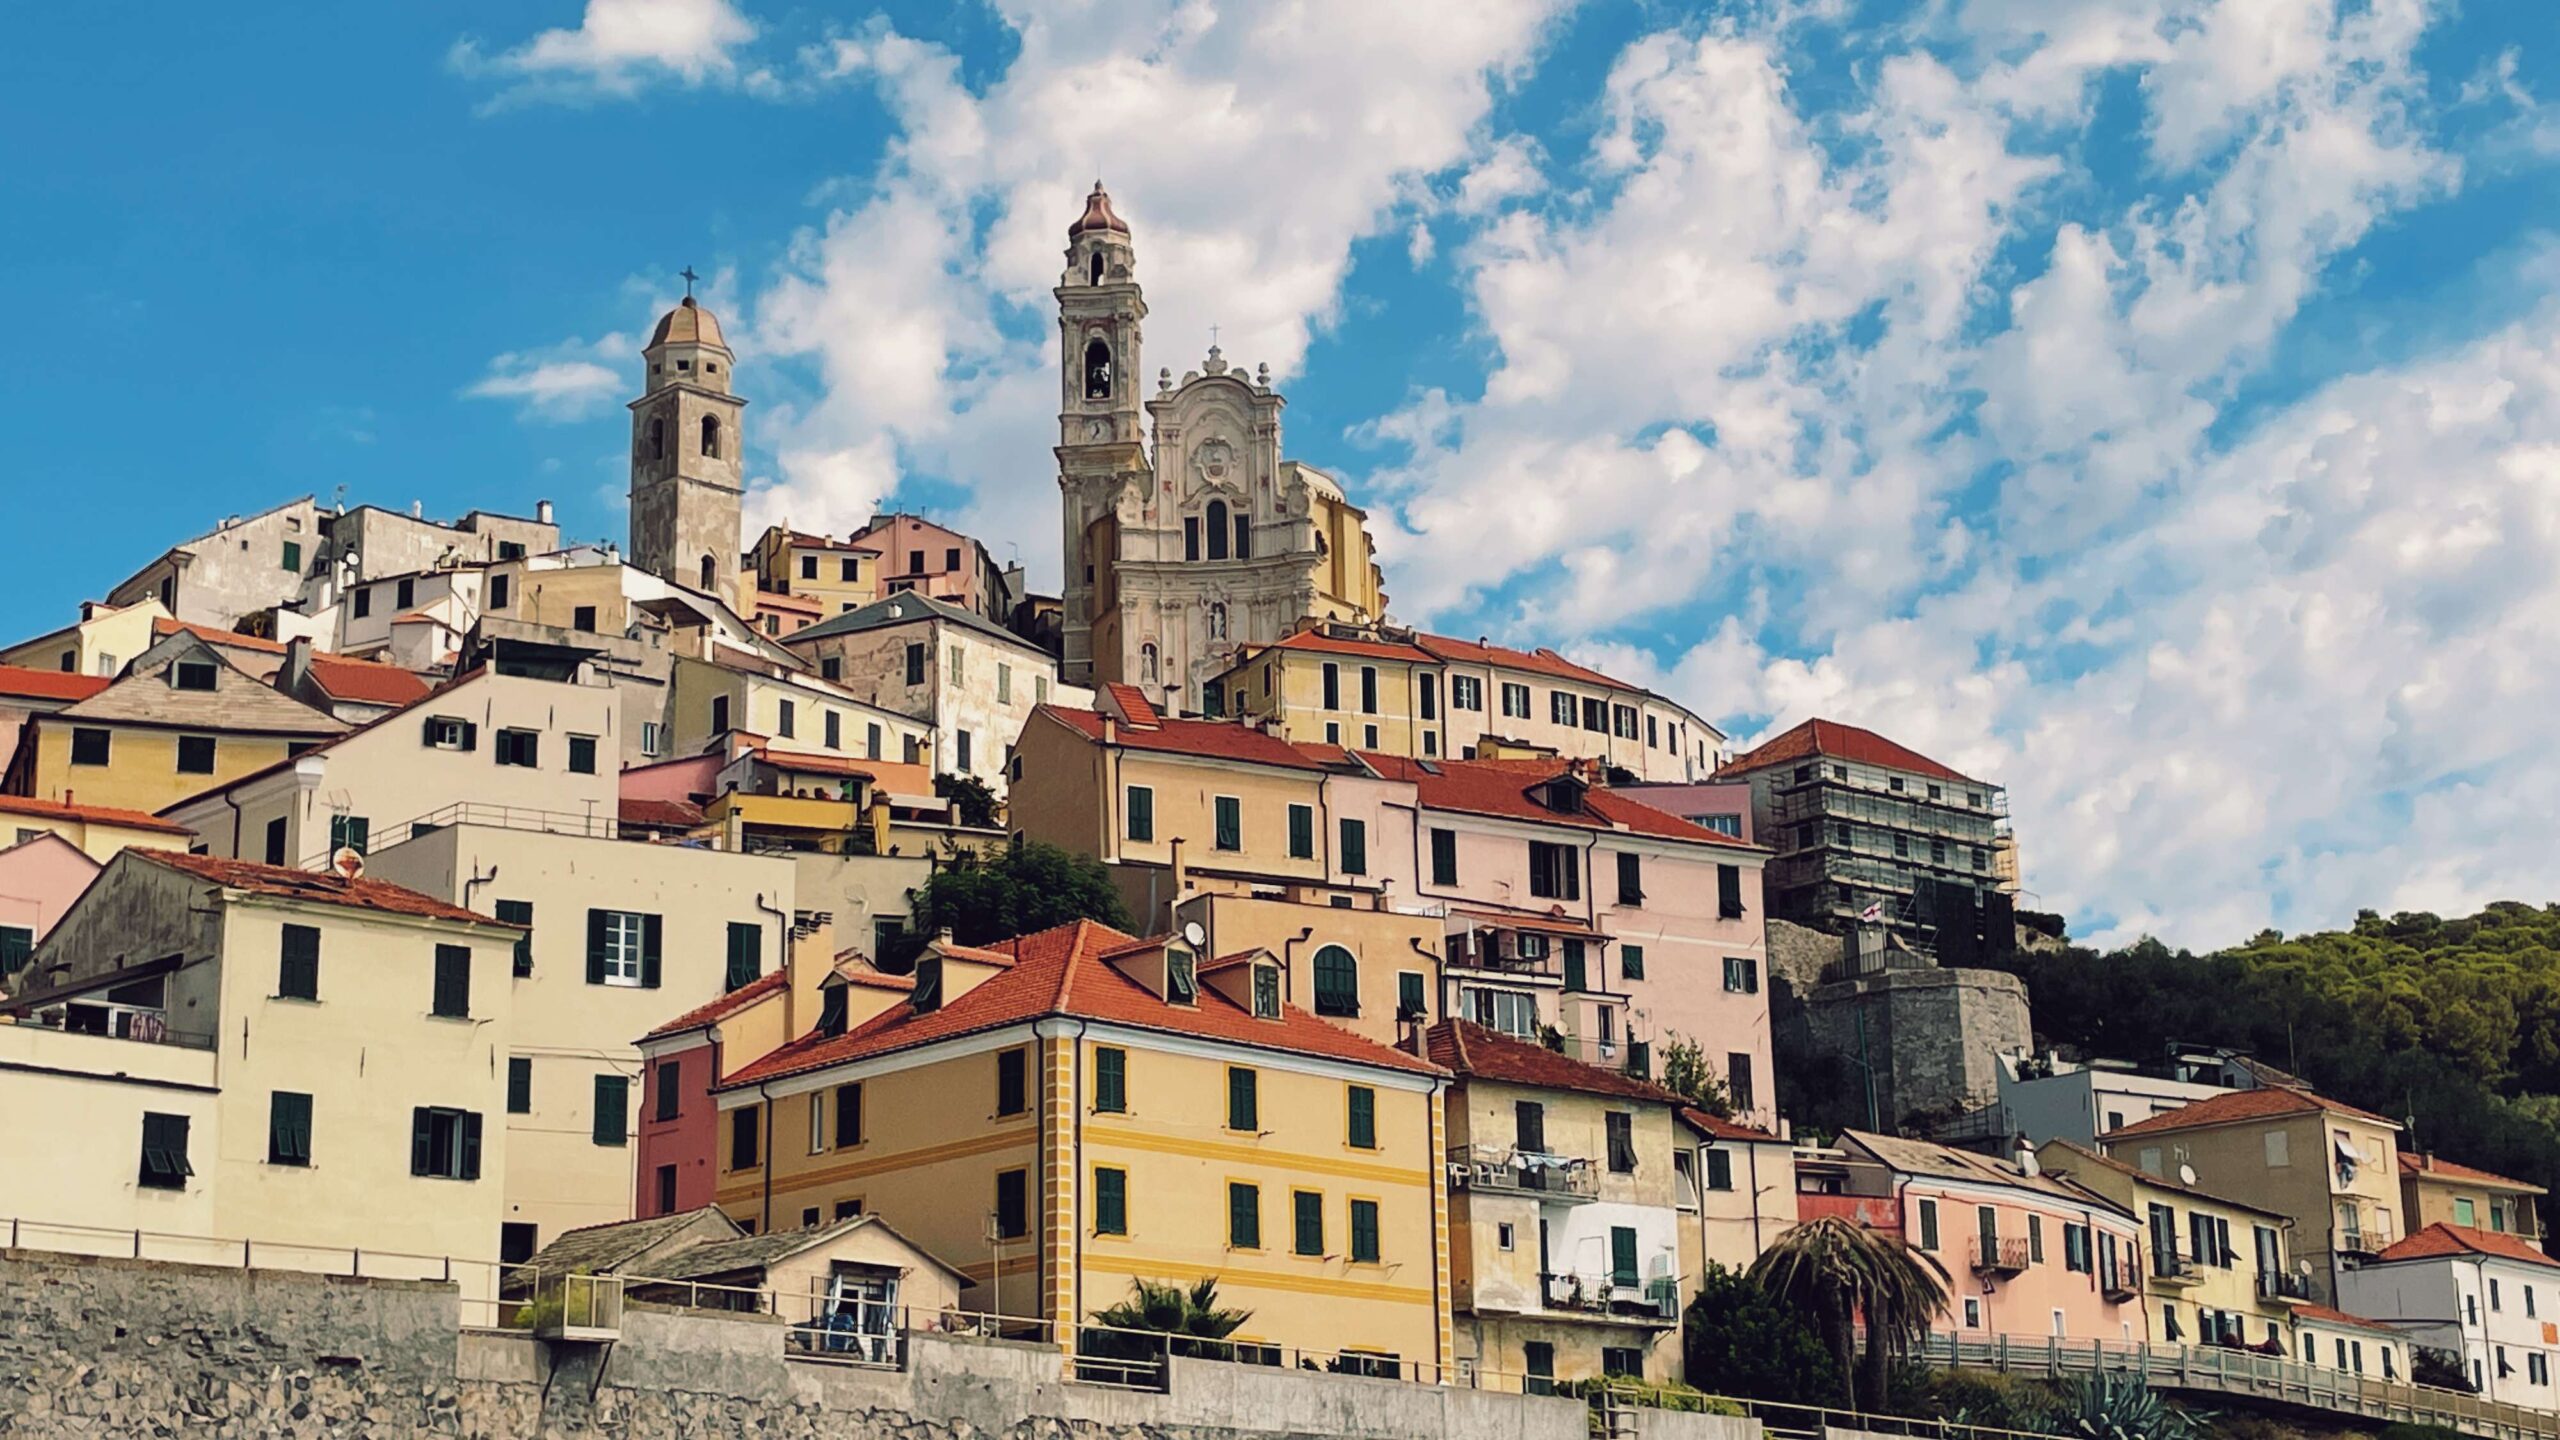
(171, 1248)
(1491, 1169)
(499, 817)
(1995, 1255)
(2372, 1237)
(141, 1024)
(2222, 1370)
(1605, 1293)
(2284, 1285)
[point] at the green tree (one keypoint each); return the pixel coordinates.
(1841, 1274)
(1025, 886)
(1743, 1343)
(972, 803)
(1685, 1072)
(1192, 1315)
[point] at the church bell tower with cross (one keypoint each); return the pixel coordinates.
(1102, 459)
(687, 466)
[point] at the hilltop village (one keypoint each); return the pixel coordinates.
(495, 907)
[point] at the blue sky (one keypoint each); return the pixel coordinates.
(2153, 405)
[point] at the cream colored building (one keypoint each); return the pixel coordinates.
(974, 681)
(2434, 1189)
(833, 575)
(244, 564)
(102, 642)
(99, 831)
(540, 751)
(792, 708)
(1737, 1192)
(1366, 967)
(362, 1031)
(620, 935)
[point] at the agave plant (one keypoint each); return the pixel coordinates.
(2120, 1405)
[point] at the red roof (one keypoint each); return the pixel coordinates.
(1208, 739)
(232, 639)
(1839, 742)
(1318, 641)
(1723, 1129)
(2416, 1166)
(278, 882)
(50, 684)
(1542, 660)
(2323, 1315)
(769, 983)
(1062, 971)
(90, 814)
(1501, 788)
(367, 682)
(660, 814)
(2243, 1105)
(2441, 1239)
(1132, 705)
(1473, 1052)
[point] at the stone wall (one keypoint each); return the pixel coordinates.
(119, 1347)
(1932, 1034)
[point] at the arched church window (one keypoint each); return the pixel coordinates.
(710, 577)
(1097, 370)
(1097, 268)
(1147, 663)
(711, 436)
(657, 437)
(1218, 620)
(1217, 528)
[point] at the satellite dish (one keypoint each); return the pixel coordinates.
(2186, 1174)
(1192, 932)
(348, 862)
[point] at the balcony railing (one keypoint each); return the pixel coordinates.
(1633, 1057)
(2284, 1285)
(2121, 1280)
(1993, 1255)
(499, 817)
(2171, 1266)
(1490, 1170)
(1484, 959)
(1619, 1296)
(144, 1024)
(2371, 1237)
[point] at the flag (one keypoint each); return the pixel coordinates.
(1873, 914)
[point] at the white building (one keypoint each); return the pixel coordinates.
(2490, 1299)
(2046, 1098)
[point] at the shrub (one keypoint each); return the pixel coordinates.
(1741, 1342)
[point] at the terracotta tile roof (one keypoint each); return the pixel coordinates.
(879, 980)
(279, 883)
(49, 684)
(660, 814)
(1501, 788)
(2420, 1167)
(779, 600)
(2441, 1239)
(1132, 705)
(772, 982)
(2324, 1315)
(1321, 643)
(1208, 739)
(1839, 742)
(88, 814)
(2243, 1105)
(365, 681)
(344, 734)
(229, 639)
(1472, 1052)
(1723, 1129)
(1062, 972)
(1541, 661)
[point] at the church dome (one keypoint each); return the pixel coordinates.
(1098, 215)
(688, 324)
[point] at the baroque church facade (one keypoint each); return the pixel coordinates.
(1183, 554)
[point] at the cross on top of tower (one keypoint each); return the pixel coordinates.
(689, 278)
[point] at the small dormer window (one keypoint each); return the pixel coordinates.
(927, 996)
(834, 1012)
(1266, 992)
(683, 365)
(193, 675)
(1181, 985)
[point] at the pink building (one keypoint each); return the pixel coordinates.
(39, 878)
(2027, 1255)
(916, 554)
(679, 1063)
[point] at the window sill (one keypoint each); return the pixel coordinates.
(297, 999)
(463, 1019)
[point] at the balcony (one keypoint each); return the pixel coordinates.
(2284, 1287)
(1479, 954)
(2120, 1281)
(2370, 1238)
(1614, 1297)
(2174, 1270)
(1995, 1256)
(1556, 1179)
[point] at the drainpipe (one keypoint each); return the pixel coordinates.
(763, 1088)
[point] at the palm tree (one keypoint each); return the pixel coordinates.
(1164, 1308)
(1837, 1273)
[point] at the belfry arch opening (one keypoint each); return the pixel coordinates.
(1094, 269)
(1097, 369)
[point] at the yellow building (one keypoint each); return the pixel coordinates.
(182, 720)
(795, 710)
(101, 642)
(97, 830)
(1365, 691)
(1075, 1110)
(2215, 1270)
(1370, 969)
(837, 574)
(1737, 1188)
(1564, 1212)
(238, 1052)
(2434, 1189)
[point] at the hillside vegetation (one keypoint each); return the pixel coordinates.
(2454, 1024)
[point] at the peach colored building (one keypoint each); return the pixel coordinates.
(916, 554)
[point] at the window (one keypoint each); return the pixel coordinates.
(1368, 689)
(1560, 708)
(275, 841)
(1244, 1216)
(1508, 1011)
(444, 1143)
(1244, 1108)
(950, 560)
(519, 912)
(291, 558)
(1928, 1224)
(520, 747)
(613, 1110)
(1729, 891)
(650, 741)
(1181, 985)
(1361, 1127)
(1012, 1093)
(848, 1131)
(915, 663)
(193, 674)
(2279, 1150)
(622, 948)
(1337, 982)
(1110, 1080)
(1575, 977)
(1190, 537)
(2035, 1239)
(520, 1088)
(1553, 875)
(582, 754)
(967, 764)
(1364, 1232)
(1266, 992)
(785, 717)
(743, 1138)
(1623, 721)
(90, 747)
(1622, 1257)
(1972, 1312)
(1466, 692)
(871, 740)
(1355, 847)
(1719, 1169)
(1368, 737)
(1539, 1358)
(364, 602)
(2075, 1249)
(1741, 975)
(1218, 529)
(1307, 1222)
(164, 1152)
(583, 618)
(195, 754)
(808, 567)
(1622, 1143)
(2463, 1211)
(1230, 820)
(1630, 878)
(667, 1081)
(288, 1128)
(1631, 962)
(1529, 1126)
(1110, 1201)
(746, 953)
(17, 943)
(1515, 701)
(2495, 1300)
(1013, 1204)
(1411, 1003)
(711, 435)
(298, 968)
(452, 998)
(1302, 832)
(1595, 715)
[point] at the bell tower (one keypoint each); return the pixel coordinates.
(1101, 430)
(687, 466)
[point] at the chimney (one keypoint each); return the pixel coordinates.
(542, 512)
(417, 509)
(1181, 877)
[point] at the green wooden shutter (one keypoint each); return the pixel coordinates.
(1111, 1080)
(1309, 1217)
(1444, 857)
(1622, 1256)
(298, 976)
(453, 981)
(1243, 1109)
(1410, 999)
(613, 1110)
(746, 953)
(520, 912)
(288, 1128)
(848, 1115)
(598, 927)
(422, 1141)
(1574, 978)
(1142, 813)
(1631, 962)
(519, 1085)
(1302, 832)
(1230, 823)
(1111, 1202)
(470, 1125)
(1244, 1216)
(1364, 1232)
(1355, 847)
(652, 933)
(1364, 1117)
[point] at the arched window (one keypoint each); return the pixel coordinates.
(657, 437)
(1217, 528)
(710, 577)
(1097, 370)
(1097, 268)
(1147, 663)
(1337, 982)
(1218, 620)
(711, 436)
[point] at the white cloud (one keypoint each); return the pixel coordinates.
(574, 380)
(618, 47)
